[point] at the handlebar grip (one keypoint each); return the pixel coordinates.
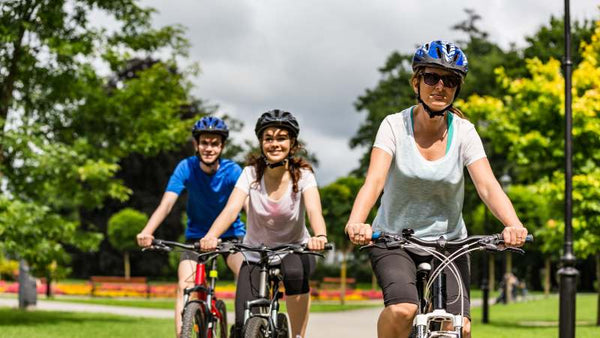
(529, 238)
(328, 246)
(376, 235)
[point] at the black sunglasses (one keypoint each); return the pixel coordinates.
(450, 81)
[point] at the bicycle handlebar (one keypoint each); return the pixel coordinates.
(228, 247)
(489, 242)
(296, 248)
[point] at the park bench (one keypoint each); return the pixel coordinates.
(336, 283)
(98, 282)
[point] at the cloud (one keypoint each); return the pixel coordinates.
(314, 58)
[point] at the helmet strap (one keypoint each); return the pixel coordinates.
(276, 164)
(432, 113)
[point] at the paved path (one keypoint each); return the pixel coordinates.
(348, 324)
(81, 307)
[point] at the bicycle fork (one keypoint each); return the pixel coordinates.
(439, 300)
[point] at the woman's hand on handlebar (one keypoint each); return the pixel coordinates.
(144, 240)
(316, 243)
(514, 235)
(359, 233)
(209, 243)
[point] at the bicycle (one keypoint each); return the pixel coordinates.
(261, 316)
(203, 316)
(432, 320)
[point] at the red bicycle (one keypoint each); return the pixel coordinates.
(203, 316)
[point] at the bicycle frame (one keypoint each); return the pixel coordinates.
(268, 293)
(204, 288)
(436, 280)
(424, 319)
(202, 294)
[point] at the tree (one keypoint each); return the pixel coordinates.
(528, 124)
(122, 229)
(66, 124)
(337, 199)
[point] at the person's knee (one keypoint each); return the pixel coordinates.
(182, 285)
(466, 328)
(403, 312)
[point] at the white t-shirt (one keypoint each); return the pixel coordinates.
(424, 195)
(275, 222)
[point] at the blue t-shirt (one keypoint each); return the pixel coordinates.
(207, 195)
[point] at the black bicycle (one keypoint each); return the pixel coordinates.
(203, 316)
(262, 317)
(432, 319)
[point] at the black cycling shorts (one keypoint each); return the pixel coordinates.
(296, 270)
(396, 272)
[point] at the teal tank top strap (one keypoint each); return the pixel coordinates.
(450, 126)
(450, 130)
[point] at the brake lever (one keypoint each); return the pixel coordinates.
(372, 245)
(516, 250)
(502, 248)
(159, 248)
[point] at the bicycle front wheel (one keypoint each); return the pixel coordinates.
(194, 321)
(256, 327)
(283, 326)
(220, 321)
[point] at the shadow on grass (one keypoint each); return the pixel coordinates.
(15, 317)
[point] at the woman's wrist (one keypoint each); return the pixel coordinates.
(320, 235)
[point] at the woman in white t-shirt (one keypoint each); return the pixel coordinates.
(418, 161)
(280, 189)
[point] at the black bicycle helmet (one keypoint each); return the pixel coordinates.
(441, 54)
(210, 124)
(277, 118)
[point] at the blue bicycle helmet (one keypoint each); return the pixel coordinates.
(210, 124)
(441, 54)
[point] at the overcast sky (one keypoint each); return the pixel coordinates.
(315, 57)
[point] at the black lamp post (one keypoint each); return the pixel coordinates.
(485, 283)
(505, 181)
(568, 273)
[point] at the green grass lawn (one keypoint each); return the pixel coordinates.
(537, 319)
(34, 324)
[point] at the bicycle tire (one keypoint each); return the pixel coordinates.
(220, 324)
(256, 327)
(283, 325)
(194, 321)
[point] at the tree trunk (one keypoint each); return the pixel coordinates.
(373, 282)
(547, 274)
(492, 273)
(127, 266)
(8, 85)
(343, 272)
(507, 283)
(48, 286)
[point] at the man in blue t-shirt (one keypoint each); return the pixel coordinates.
(209, 181)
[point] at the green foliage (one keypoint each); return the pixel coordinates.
(67, 125)
(37, 235)
(337, 199)
(123, 227)
(392, 94)
(8, 268)
(528, 125)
